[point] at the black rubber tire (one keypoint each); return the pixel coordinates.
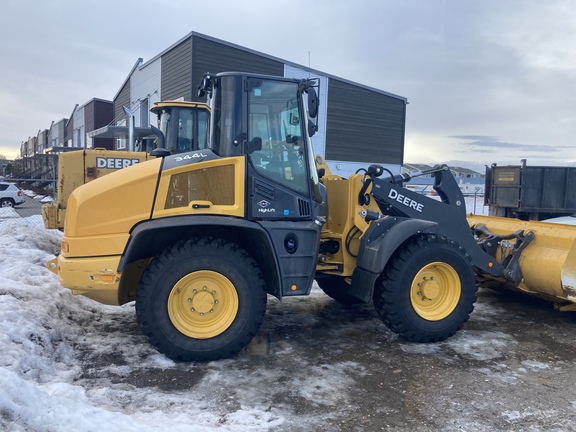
(226, 260)
(6, 203)
(392, 294)
(336, 287)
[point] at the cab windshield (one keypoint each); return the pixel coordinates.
(275, 133)
(185, 129)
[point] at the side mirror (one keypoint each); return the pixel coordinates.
(312, 128)
(205, 85)
(312, 102)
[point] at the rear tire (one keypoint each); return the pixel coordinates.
(201, 300)
(6, 202)
(336, 287)
(427, 290)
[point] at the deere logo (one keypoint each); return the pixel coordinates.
(115, 163)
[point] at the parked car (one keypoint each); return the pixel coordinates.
(10, 195)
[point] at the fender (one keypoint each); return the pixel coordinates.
(150, 237)
(377, 245)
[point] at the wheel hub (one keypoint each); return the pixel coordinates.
(430, 289)
(435, 291)
(203, 304)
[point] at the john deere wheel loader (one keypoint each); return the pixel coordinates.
(182, 126)
(199, 239)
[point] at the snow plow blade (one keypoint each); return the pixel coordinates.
(547, 264)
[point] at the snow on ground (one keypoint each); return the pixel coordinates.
(41, 375)
(68, 363)
(8, 212)
(48, 336)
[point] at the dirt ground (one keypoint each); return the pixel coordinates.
(320, 366)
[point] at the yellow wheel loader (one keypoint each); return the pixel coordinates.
(182, 126)
(199, 239)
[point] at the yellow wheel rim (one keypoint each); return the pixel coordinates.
(435, 291)
(203, 304)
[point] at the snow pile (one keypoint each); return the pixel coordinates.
(8, 213)
(68, 362)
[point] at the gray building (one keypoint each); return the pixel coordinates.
(84, 119)
(358, 125)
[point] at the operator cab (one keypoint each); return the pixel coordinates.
(184, 125)
(269, 120)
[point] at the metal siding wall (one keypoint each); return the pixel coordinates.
(89, 116)
(176, 66)
(101, 114)
(68, 132)
(214, 57)
(364, 125)
(145, 84)
(78, 123)
(123, 99)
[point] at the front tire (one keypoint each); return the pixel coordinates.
(201, 300)
(427, 290)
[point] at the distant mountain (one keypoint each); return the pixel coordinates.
(479, 168)
(474, 166)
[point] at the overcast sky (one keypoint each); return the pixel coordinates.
(487, 81)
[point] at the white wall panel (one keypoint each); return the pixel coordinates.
(145, 84)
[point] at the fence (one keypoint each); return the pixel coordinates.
(30, 210)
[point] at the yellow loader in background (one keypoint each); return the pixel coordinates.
(183, 124)
(199, 239)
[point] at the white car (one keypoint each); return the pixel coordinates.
(10, 195)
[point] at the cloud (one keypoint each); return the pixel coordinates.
(502, 70)
(485, 143)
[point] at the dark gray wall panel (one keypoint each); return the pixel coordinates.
(123, 99)
(214, 57)
(177, 72)
(103, 114)
(364, 125)
(99, 114)
(89, 116)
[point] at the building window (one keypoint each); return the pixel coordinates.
(121, 142)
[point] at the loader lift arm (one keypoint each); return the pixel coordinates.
(449, 218)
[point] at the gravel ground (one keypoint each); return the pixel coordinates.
(336, 368)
